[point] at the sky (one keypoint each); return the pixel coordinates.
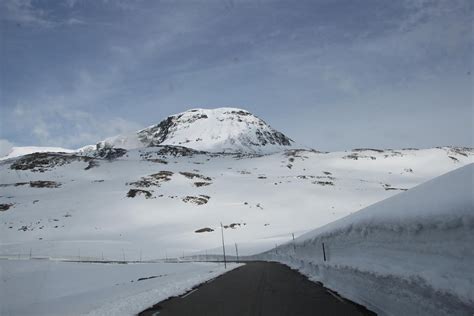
(330, 74)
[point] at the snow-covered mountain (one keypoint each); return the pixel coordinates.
(25, 150)
(213, 130)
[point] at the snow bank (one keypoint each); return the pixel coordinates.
(411, 254)
(41, 287)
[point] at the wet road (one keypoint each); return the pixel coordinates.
(258, 288)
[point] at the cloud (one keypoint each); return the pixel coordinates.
(74, 21)
(58, 125)
(5, 147)
(144, 60)
(24, 12)
(30, 13)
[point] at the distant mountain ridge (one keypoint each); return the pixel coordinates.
(26, 150)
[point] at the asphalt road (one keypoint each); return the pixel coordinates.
(258, 288)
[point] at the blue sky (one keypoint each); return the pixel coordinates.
(330, 74)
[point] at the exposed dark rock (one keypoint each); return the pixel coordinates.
(41, 162)
(204, 230)
(35, 184)
(273, 137)
(92, 164)
(240, 112)
(356, 156)
(44, 184)
(106, 151)
(153, 180)
(156, 134)
(5, 207)
(368, 149)
(463, 151)
(192, 175)
(324, 183)
(148, 278)
(134, 192)
(199, 200)
(178, 151)
(4, 185)
(454, 159)
(202, 184)
(389, 187)
(234, 225)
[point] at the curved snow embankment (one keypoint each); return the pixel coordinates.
(411, 254)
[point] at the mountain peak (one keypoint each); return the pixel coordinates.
(225, 129)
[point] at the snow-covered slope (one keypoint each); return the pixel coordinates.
(411, 254)
(50, 288)
(214, 130)
(156, 198)
(25, 150)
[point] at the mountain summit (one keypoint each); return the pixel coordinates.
(214, 130)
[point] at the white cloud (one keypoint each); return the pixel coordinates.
(58, 125)
(5, 147)
(27, 12)
(24, 12)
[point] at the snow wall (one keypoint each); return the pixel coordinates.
(412, 254)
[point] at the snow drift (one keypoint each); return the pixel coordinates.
(410, 254)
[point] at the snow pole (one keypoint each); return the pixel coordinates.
(237, 252)
(294, 245)
(324, 252)
(223, 246)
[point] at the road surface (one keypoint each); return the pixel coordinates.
(258, 289)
